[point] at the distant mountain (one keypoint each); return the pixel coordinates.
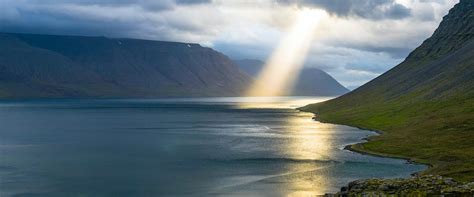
(76, 66)
(250, 66)
(353, 87)
(310, 82)
(425, 105)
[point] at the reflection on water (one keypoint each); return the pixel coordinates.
(274, 102)
(178, 147)
(310, 142)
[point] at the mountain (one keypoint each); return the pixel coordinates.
(77, 66)
(250, 66)
(353, 87)
(424, 106)
(310, 82)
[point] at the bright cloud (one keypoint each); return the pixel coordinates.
(358, 41)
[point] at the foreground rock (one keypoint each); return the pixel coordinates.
(416, 186)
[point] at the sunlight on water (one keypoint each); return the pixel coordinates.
(247, 146)
(277, 102)
(312, 141)
(309, 143)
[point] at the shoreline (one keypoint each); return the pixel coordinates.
(416, 184)
(353, 147)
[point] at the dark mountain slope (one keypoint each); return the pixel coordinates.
(310, 82)
(425, 105)
(315, 82)
(76, 66)
(250, 66)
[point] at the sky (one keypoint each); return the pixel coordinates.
(356, 41)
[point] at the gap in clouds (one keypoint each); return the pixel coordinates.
(360, 40)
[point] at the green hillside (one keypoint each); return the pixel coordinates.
(424, 106)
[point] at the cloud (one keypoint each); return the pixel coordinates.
(192, 1)
(164, 20)
(370, 9)
(358, 41)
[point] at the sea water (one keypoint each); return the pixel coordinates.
(179, 147)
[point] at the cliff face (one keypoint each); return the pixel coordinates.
(442, 62)
(310, 82)
(75, 66)
(424, 105)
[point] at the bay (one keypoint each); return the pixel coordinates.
(179, 147)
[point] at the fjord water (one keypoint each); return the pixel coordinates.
(173, 147)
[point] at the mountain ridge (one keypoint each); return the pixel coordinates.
(310, 81)
(424, 106)
(82, 66)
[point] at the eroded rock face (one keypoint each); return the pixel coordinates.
(415, 186)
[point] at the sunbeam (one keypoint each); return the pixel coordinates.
(278, 76)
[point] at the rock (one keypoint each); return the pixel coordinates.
(449, 181)
(414, 186)
(344, 189)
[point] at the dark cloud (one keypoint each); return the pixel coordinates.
(370, 9)
(154, 5)
(112, 18)
(343, 54)
(166, 4)
(394, 52)
(47, 22)
(190, 2)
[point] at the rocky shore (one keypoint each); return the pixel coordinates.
(427, 185)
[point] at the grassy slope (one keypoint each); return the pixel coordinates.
(424, 106)
(436, 133)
